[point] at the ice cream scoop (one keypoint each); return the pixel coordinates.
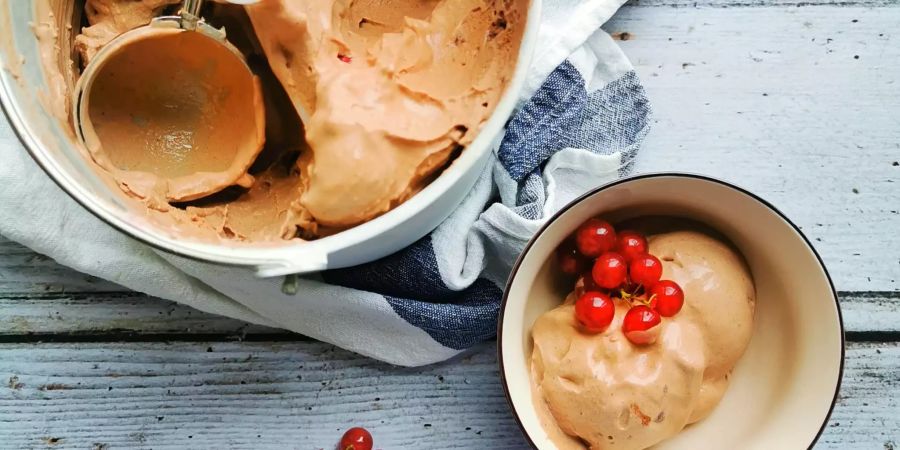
(171, 109)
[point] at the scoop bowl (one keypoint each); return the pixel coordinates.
(782, 390)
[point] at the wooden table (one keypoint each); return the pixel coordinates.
(797, 100)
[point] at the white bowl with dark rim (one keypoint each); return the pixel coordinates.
(783, 389)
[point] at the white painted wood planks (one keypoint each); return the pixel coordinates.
(799, 104)
(300, 395)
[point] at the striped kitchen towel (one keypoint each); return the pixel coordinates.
(579, 124)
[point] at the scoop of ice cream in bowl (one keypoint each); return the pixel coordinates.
(670, 311)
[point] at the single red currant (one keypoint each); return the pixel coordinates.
(595, 237)
(356, 438)
(609, 270)
(594, 311)
(668, 296)
(344, 58)
(641, 325)
(645, 269)
(570, 261)
(630, 244)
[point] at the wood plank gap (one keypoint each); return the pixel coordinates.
(131, 316)
(64, 295)
(891, 295)
(113, 336)
(100, 295)
(872, 336)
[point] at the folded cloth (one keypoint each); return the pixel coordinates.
(579, 123)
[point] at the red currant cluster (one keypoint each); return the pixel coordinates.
(620, 267)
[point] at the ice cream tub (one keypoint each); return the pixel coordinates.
(778, 393)
(40, 67)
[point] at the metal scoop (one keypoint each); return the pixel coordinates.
(173, 105)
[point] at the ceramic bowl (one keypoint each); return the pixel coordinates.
(783, 389)
(54, 148)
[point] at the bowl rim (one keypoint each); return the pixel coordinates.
(688, 175)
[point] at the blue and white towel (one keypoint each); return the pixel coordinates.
(579, 124)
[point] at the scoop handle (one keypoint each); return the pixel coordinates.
(190, 13)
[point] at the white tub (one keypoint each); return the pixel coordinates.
(23, 81)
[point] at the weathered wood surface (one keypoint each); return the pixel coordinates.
(797, 100)
(22, 271)
(797, 104)
(125, 315)
(300, 395)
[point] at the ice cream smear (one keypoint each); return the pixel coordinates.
(365, 103)
(600, 391)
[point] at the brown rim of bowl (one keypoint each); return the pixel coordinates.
(581, 198)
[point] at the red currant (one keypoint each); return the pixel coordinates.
(570, 261)
(645, 269)
(630, 244)
(594, 311)
(641, 325)
(609, 270)
(356, 439)
(595, 237)
(668, 296)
